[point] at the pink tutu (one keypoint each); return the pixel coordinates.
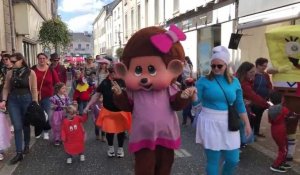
(5, 134)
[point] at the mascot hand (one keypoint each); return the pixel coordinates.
(188, 92)
(284, 69)
(116, 88)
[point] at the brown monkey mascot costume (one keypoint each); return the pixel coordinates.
(151, 62)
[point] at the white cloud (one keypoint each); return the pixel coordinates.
(82, 23)
(80, 5)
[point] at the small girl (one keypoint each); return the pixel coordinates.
(277, 117)
(73, 133)
(96, 110)
(82, 94)
(187, 111)
(58, 102)
(5, 134)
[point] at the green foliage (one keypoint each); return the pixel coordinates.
(119, 52)
(54, 33)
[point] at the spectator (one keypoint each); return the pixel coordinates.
(262, 86)
(246, 75)
(60, 69)
(20, 89)
(212, 125)
(46, 80)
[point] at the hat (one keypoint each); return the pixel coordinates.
(103, 61)
(90, 58)
(220, 53)
(54, 56)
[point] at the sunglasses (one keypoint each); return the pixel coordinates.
(219, 66)
(14, 61)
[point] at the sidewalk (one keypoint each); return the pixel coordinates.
(268, 147)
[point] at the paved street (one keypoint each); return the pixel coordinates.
(47, 159)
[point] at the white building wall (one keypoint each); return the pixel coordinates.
(117, 31)
(2, 27)
(190, 47)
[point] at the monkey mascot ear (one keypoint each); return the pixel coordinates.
(120, 70)
(175, 67)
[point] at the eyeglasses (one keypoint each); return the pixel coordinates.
(4, 59)
(14, 61)
(219, 66)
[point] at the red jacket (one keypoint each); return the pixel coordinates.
(61, 72)
(72, 134)
(249, 94)
(84, 95)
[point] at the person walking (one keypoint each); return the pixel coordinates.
(60, 69)
(20, 89)
(213, 91)
(111, 119)
(46, 80)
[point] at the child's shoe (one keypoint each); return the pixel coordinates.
(57, 143)
(286, 166)
(69, 160)
(1, 156)
(82, 157)
(120, 152)
(46, 136)
(111, 151)
(278, 169)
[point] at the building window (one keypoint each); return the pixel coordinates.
(139, 16)
(132, 21)
(30, 53)
(87, 46)
(156, 18)
(126, 26)
(146, 13)
(71, 46)
(118, 12)
(176, 5)
(79, 46)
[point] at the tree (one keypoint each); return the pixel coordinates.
(54, 33)
(119, 52)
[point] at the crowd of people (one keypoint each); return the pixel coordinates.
(97, 84)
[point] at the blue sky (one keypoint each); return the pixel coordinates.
(80, 14)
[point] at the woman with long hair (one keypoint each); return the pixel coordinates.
(19, 90)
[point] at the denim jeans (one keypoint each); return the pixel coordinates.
(17, 107)
(46, 106)
(81, 106)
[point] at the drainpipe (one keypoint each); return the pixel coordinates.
(12, 26)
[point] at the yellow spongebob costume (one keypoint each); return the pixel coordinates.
(284, 50)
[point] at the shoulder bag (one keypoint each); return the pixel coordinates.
(233, 116)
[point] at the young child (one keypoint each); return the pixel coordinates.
(58, 103)
(73, 133)
(82, 94)
(5, 134)
(187, 111)
(96, 110)
(277, 114)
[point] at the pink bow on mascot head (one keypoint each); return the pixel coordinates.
(164, 41)
(152, 59)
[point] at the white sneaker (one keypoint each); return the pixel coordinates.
(82, 158)
(69, 160)
(39, 136)
(46, 136)
(111, 151)
(120, 152)
(1, 156)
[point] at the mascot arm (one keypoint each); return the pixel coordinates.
(123, 102)
(178, 103)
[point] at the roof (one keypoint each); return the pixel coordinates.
(108, 8)
(86, 37)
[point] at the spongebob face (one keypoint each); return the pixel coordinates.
(284, 51)
(292, 49)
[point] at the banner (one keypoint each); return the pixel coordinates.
(284, 50)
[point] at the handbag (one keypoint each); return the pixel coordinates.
(233, 116)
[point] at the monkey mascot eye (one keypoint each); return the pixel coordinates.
(151, 70)
(138, 70)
